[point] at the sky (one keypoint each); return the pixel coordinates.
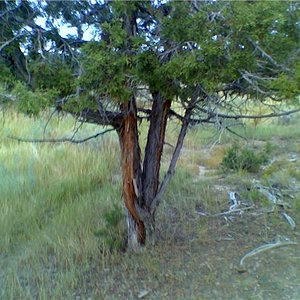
(65, 30)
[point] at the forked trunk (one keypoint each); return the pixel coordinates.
(140, 187)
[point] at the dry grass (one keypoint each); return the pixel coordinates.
(54, 197)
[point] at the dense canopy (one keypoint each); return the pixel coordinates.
(249, 48)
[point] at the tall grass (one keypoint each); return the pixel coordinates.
(55, 199)
(52, 200)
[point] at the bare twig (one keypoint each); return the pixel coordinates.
(77, 128)
(48, 121)
(41, 48)
(234, 133)
(271, 115)
(62, 140)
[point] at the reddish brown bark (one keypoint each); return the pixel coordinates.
(131, 168)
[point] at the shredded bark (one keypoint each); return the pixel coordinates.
(131, 168)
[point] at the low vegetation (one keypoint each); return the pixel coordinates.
(61, 219)
(237, 158)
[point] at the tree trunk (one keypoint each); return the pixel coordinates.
(139, 219)
(131, 169)
(154, 148)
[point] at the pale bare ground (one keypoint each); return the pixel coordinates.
(198, 256)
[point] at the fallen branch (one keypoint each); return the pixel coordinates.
(276, 244)
(232, 211)
(289, 219)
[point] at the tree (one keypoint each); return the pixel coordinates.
(211, 57)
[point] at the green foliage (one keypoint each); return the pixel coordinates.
(147, 68)
(238, 158)
(288, 85)
(106, 71)
(113, 231)
(56, 75)
(168, 46)
(117, 35)
(6, 77)
(32, 103)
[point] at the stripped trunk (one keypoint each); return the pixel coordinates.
(131, 169)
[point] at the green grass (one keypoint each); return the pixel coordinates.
(57, 201)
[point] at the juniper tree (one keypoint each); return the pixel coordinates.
(210, 57)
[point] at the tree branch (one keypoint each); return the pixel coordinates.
(266, 55)
(62, 140)
(100, 117)
(10, 41)
(234, 133)
(271, 115)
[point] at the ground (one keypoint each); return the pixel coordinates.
(58, 202)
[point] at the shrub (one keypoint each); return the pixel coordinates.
(237, 158)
